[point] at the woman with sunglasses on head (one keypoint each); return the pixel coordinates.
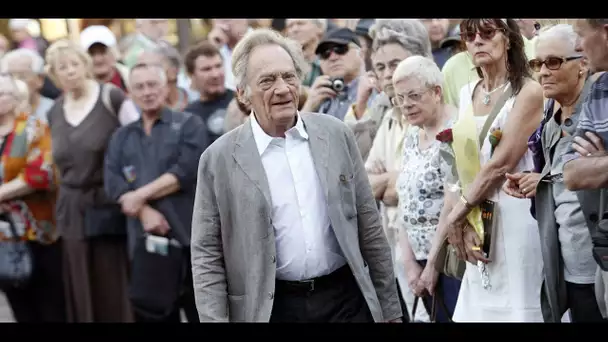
(503, 276)
(569, 267)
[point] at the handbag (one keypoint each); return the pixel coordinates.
(104, 220)
(447, 260)
(437, 299)
(16, 260)
(157, 278)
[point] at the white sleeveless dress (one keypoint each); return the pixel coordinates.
(516, 271)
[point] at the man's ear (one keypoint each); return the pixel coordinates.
(242, 96)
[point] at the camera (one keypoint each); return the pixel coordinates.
(337, 84)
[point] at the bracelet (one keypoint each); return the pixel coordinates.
(465, 202)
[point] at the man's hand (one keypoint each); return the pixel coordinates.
(217, 36)
(319, 92)
(591, 148)
(367, 84)
(153, 221)
(521, 185)
(131, 203)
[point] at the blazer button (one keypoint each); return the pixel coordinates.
(270, 295)
(593, 217)
(274, 259)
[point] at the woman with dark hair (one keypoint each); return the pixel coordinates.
(498, 113)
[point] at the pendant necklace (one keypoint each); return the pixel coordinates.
(486, 97)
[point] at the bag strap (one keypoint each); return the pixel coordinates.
(495, 110)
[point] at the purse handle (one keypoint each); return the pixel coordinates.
(495, 110)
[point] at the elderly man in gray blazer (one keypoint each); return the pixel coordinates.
(285, 226)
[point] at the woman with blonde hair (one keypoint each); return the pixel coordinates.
(497, 115)
(92, 227)
(27, 205)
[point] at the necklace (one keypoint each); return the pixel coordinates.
(486, 97)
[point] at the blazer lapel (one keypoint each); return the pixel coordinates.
(319, 149)
(248, 158)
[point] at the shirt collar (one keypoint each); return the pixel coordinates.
(262, 140)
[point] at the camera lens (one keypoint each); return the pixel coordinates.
(338, 85)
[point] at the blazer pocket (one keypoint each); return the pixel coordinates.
(347, 195)
(236, 308)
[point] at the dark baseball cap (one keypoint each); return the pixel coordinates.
(339, 36)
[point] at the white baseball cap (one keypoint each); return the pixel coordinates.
(97, 34)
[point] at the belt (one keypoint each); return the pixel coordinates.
(315, 284)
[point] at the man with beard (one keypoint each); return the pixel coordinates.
(205, 65)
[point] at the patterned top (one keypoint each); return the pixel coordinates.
(27, 156)
(420, 189)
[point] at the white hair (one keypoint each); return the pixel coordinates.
(564, 33)
(37, 62)
(421, 68)
(242, 53)
(411, 34)
(159, 69)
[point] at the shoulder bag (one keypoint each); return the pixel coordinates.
(447, 260)
(16, 261)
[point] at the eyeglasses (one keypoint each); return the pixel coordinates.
(338, 49)
(484, 33)
(552, 63)
(413, 97)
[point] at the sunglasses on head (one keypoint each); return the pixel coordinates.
(484, 33)
(338, 49)
(552, 63)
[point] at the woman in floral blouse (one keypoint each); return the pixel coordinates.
(420, 186)
(27, 196)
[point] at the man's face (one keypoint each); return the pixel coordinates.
(20, 35)
(339, 60)
(303, 31)
(21, 69)
(273, 86)
(437, 29)
(385, 60)
(155, 29)
(147, 88)
(526, 26)
(103, 60)
(209, 76)
(593, 43)
(234, 28)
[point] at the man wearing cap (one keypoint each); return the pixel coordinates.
(341, 63)
(100, 43)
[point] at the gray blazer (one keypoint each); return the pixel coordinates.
(553, 294)
(233, 242)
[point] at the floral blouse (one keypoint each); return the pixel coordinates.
(420, 189)
(27, 156)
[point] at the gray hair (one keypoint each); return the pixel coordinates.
(37, 62)
(411, 34)
(157, 68)
(421, 68)
(242, 53)
(563, 33)
(170, 54)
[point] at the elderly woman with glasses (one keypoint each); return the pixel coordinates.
(418, 94)
(497, 114)
(27, 203)
(569, 267)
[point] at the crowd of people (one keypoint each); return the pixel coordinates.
(379, 170)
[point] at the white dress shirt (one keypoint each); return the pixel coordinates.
(305, 242)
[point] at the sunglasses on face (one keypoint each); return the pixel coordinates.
(484, 33)
(337, 49)
(552, 63)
